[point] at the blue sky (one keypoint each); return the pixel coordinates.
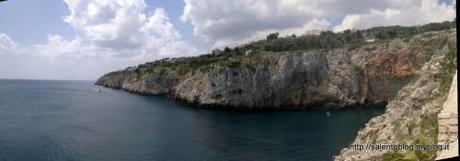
(83, 39)
(29, 22)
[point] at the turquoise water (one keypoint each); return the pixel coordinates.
(70, 120)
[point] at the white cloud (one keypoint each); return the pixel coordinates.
(112, 34)
(225, 22)
(57, 47)
(162, 39)
(6, 43)
(63, 59)
(57, 59)
(314, 24)
(419, 13)
(123, 25)
(110, 23)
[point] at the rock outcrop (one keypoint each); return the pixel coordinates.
(261, 80)
(411, 117)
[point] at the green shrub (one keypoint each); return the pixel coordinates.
(448, 67)
(274, 44)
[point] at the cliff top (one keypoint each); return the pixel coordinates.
(325, 40)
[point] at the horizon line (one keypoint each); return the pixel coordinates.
(45, 79)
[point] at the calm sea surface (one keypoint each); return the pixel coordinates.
(70, 120)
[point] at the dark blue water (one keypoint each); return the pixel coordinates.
(70, 120)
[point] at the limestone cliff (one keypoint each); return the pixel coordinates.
(411, 117)
(369, 74)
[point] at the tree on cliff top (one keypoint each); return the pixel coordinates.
(273, 36)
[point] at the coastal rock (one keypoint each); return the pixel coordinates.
(411, 116)
(368, 75)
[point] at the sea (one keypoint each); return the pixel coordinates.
(43, 120)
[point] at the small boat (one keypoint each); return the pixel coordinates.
(328, 113)
(97, 90)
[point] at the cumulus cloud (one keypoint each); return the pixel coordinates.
(419, 12)
(314, 24)
(112, 34)
(111, 23)
(123, 25)
(6, 43)
(56, 47)
(225, 22)
(228, 21)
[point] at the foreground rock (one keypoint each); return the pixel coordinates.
(411, 117)
(367, 75)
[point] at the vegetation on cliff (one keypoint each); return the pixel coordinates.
(411, 116)
(429, 121)
(448, 67)
(408, 69)
(326, 40)
(348, 38)
(349, 68)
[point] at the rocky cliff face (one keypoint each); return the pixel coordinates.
(411, 117)
(367, 75)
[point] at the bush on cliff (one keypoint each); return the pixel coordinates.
(326, 40)
(448, 67)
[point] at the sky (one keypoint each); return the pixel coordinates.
(83, 39)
